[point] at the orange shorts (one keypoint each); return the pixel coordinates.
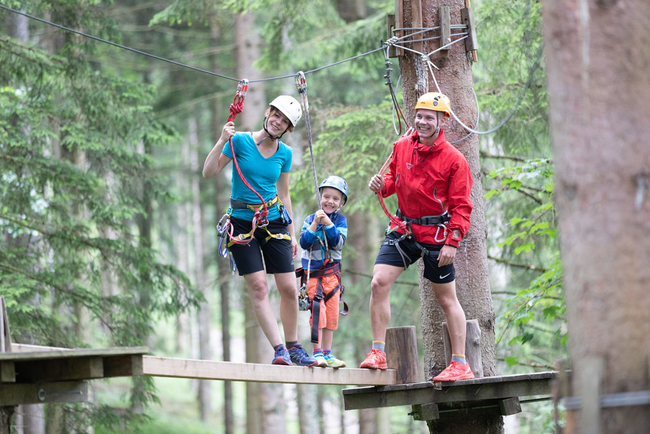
(328, 317)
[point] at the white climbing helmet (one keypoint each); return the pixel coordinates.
(289, 106)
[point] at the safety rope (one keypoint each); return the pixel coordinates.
(396, 108)
(396, 221)
(301, 85)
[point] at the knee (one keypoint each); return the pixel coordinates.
(380, 286)
(258, 290)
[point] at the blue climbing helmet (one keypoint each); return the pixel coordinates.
(337, 183)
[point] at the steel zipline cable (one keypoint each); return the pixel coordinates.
(395, 42)
(173, 62)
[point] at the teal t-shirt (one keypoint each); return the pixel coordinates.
(261, 173)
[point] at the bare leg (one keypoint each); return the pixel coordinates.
(446, 296)
(259, 294)
(326, 338)
(288, 304)
(383, 277)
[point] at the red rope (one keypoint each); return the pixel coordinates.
(399, 223)
(235, 108)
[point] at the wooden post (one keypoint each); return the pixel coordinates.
(472, 346)
(6, 412)
(402, 353)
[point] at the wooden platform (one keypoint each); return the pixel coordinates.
(428, 399)
(35, 375)
(230, 371)
(30, 364)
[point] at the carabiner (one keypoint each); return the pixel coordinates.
(444, 234)
(242, 88)
(301, 82)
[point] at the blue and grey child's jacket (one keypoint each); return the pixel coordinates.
(337, 233)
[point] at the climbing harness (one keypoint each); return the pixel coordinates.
(319, 298)
(260, 218)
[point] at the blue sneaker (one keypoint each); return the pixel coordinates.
(281, 356)
(300, 357)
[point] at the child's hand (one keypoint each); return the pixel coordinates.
(319, 216)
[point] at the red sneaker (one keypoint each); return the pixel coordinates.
(454, 372)
(375, 359)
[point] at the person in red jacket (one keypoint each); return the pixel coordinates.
(432, 181)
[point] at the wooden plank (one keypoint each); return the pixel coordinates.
(123, 366)
(26, 348)
(509, 406)
(67, 354)
(399, 23)
(402, 353)
(416, 22)
(471, 43)
(5, 332)
(426, 412)
(46, 370)
(7, 372)
(591, 374)
(57, 392)
(445, 26)
(229, 371)
(483, 389)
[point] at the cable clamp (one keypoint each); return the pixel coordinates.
(391, 41)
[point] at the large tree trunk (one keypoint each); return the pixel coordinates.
(221, 196)
(205, 351)
(472, 283)
(598, 60)
(248, 51)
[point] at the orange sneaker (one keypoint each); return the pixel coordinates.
(454, 372)
(375, 359)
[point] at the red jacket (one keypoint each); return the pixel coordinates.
(415, 171)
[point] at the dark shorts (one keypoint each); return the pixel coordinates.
(390, 255)
(277, 253)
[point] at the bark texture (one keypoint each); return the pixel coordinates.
(472, 275)
(598, 56)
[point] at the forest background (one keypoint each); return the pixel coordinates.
(108, 228)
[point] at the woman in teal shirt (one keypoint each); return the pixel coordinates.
(265, 163)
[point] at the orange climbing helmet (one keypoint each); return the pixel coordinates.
(434, 101)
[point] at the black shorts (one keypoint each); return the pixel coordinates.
(278, 257)
(390, 255)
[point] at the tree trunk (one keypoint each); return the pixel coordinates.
(205, 352)
(221, 194)
(248, 51)
(472, 283)
(597, 62)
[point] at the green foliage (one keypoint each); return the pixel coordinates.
(354, 145)
(76, 176)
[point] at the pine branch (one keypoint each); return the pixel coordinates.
(513, 264)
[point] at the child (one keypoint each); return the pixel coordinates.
(321, 261)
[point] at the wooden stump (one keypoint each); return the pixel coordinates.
(472, 346)
(402, 353)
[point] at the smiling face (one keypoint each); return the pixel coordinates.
(427, 121)
(277, 123)
(331, 199)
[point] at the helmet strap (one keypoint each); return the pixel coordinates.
(272, 137)
(437, 124)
